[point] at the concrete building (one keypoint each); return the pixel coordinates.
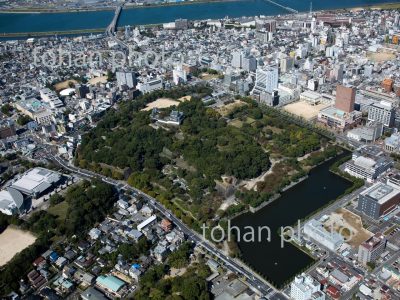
(304, 287)
(92, 294)
(368, 168)
(150, 85)
(126, 79)
(382, 112)
(179, 75)
(378, 200)
(286, 64)
(316, 231)
(266, 79)
(36, 181)
(345, 98)
(11, 201)
(110, 284)
(371, 132)
(392, 143)
(36, 110)
(338, 119)
(371, 249)
(51, 98)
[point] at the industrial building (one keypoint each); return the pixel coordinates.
(371, 249)
(36, 181)
(316, 231)
(378, 200)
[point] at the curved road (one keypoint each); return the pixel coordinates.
(232, 264)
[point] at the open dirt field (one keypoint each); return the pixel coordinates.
(226, 109)
(380, 56)
(345, 218)
(165, 102)
(95, 80)
(13, 241)
(161, 103)
(64, 85)
(304, 110)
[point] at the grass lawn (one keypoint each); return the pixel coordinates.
(59, 210)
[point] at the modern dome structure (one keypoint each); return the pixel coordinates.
(11, 201)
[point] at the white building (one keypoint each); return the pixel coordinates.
(11, 201)
(150, 85)
(147, 222)
(316, 231)
(382, 112)
(392, 143)
(304, 287)
(35, 181)
(126, 78)
(266, 79)
(179, 75)
(368, 168)
(368, 134)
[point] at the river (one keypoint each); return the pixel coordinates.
(268, 258)
(49, 22)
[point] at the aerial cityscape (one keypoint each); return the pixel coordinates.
(199, 150)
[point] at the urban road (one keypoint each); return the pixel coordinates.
(230, 263)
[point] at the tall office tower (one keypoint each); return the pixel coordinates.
(179, 75)
(371, 249)
(383, 112)
(337, 73)
(126, 78)
(345, 98)
(286, 64)
(249, 63)
(270, 25)
(267, 79)
(237, 59)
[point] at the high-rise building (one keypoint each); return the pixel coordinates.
(267, 79)
(286, 64)
(345, 98)
(371, 249)
(270, 25)
(237, 59)
(179, 75)
(249, 63)
(382, 112)
(126, 78)
(304, 287)
(387, 85)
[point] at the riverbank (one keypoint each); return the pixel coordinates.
(48, 22)
(35, 10)
(51, 33)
